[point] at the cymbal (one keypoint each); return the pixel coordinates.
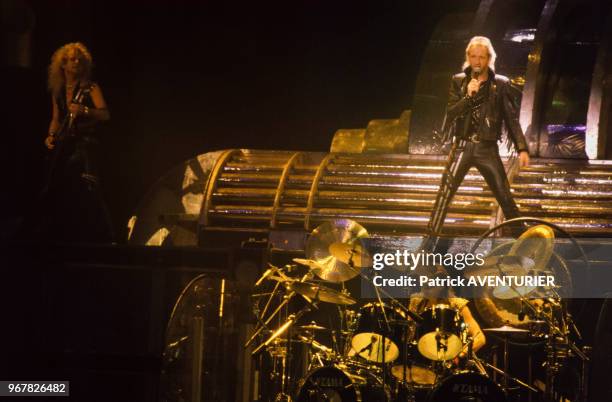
(528, 254)
(511, 265)
(506, 329)
(336, 249)
(508, 264)
(352, 255)
(312, 264)
(313, 327)
(322, 293)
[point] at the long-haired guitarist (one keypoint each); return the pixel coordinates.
(73, 95)
(78, 107)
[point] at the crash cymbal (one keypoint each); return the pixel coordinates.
(506, 329)
(336, 248)
(352, 255)
(320, 292)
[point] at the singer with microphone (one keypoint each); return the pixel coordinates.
(480, 102)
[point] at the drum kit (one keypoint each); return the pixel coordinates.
(382, 350)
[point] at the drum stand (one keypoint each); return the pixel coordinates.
(504, 373)
(558, 346)
(283, 394)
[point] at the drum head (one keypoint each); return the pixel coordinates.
(464, 387)
(370, 347)
(415, 374)
(440, 345)
(373, 325)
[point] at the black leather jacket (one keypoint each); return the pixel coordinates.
(499, 107)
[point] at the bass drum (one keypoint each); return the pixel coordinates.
(341, 384)
(467, 386)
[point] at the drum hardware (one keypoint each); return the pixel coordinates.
(313, 293)
(308, 291)
(384, 350)
(261, 314)
(505, 332)
(559, 346)
(529, 254)
(319, 292)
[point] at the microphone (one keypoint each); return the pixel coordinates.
(475, 74)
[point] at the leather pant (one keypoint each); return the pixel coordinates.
(483, 155)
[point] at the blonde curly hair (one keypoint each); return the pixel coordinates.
(56, 76)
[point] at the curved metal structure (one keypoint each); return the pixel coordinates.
(256, 191)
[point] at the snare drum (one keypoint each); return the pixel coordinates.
(439, 335)
(367, 341)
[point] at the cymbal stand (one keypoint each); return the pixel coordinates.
(292, 319)
(557, 336)
(283, 395)
(481, 364)
(285, 301)
(382, 347)
(263, 324)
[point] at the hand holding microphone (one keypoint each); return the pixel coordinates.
(474, 84)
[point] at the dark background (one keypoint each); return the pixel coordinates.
(183, 78)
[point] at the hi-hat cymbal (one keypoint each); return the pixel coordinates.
(336, 248)
(506, 329)
(320, 292)
(313, 326)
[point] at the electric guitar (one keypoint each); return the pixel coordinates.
(62, 142)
